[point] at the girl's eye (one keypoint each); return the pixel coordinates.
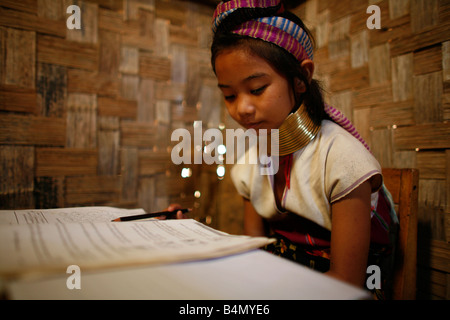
(229, 98)
(259, 90)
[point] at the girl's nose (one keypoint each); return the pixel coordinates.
(245, 107)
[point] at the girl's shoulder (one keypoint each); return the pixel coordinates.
(330, 128)
(332, 134)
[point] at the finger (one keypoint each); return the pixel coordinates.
(173, 207)
(181, 215)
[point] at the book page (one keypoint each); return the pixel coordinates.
(65, 215)
(52, 247)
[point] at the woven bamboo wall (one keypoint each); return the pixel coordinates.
(86, 115)
(394, 83)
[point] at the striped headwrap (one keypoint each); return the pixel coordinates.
(277, 30)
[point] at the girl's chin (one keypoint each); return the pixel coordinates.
(260, 131)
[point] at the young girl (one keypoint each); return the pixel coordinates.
(323, 204)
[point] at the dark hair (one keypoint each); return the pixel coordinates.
(279, 58)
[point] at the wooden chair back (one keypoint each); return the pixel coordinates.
(403, 184)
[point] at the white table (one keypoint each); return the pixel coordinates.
(254, 275)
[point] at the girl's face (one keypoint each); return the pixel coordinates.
(256, 95)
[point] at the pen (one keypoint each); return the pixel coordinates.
(151, 215)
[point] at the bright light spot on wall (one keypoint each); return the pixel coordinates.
(197, 194)
(221, 149)
(220, 171)
(186, 172)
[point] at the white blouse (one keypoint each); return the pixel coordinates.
(332, 165)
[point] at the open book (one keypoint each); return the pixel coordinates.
(34, 242)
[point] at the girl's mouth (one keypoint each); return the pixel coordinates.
(252, 125)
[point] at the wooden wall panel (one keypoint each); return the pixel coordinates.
(81, 121)
(428, 97)
(109, 53)
(48, 193)
(17, 166)
(83, 81)
(51, 87)
(53, 162)
(446, 60)
(402, 77)
(30, 6)
(18, 99)
(90, 190)
(117, 107)
(32, 22)
(20, 59)
(137, 134)
(424, 136)
(154, 67)
(30, 130)
(153, 162)
(108, 146)
(67, 53)
(129, 172)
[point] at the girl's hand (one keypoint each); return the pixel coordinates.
(179, 214)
